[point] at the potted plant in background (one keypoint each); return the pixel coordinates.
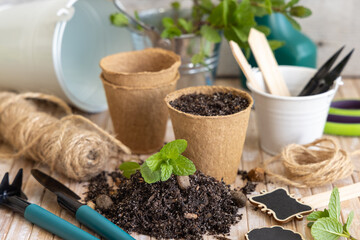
(196, 33)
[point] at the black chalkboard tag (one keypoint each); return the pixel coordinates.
(273, 233)
(281, 205)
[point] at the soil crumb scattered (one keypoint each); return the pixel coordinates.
(249, 187)
(163, 209)
(216, 104)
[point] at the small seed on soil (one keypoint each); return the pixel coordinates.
(239, 198)
(91, 204)
(256, 174)
(104, 202)
(183, 181)
(190, 216)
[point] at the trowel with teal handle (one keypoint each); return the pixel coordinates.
(68, 200)
(12, 197)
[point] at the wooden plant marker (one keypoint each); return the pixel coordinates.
(322, 199)
(267, 63)
(244, 65)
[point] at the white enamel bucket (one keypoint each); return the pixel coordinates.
(55, 46)
(285, 120)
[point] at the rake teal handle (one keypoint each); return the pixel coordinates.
(54, 224)
(95, 221)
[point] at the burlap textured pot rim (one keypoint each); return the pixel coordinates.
(105, 81)
(207, 90)
(151, 66)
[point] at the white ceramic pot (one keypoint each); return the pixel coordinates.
(55, 46)
(286, 120)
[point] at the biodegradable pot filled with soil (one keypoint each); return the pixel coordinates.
(139, 114)
(214, 121)
(145, 68)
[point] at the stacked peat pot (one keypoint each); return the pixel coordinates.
(135, 84)
(215, 143)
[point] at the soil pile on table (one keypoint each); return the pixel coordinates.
(216, 104)
(163, 210)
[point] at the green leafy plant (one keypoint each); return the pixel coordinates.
(325, 225)
(163, 164)
(232, 18)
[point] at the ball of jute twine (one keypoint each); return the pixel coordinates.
(72, 145)
(314, 164)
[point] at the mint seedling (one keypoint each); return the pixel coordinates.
(163, 164)
(325, 225)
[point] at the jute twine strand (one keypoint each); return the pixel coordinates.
(314, 164)
(72, 145)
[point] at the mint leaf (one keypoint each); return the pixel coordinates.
(129, 168)
(171, 32)
(268, 6)
(166, 171)
(119, 19)
(334, 204)
(154, 161)
(173, 149)
(148, 175)
(210, 34)
(349, 221)
(317, 215)
(327, 229)
(183, 166)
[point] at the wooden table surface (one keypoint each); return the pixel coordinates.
(14, 227)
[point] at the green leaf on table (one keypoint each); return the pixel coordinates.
(334, 204)
(317, 215)
(173, 149)
(349, 221)
(154, 161)
(183, 166)
(275, 44)
(210, 34)
(119, 19)
(300, 12)
(186, 25)
(166, 171)
(129, 168)
(148, 175)
(327, 229)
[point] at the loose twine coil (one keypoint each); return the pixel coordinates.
(312, 164)
(72, 145)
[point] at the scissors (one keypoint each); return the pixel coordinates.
(344, 118)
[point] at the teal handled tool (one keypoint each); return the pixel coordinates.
(344, 118)
(12, 197)
(68, 200)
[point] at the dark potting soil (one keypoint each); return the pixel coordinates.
(163, 210)
(216, 104)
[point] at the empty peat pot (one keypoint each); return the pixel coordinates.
(135, 85)
(215, 143)
(144, 68)
(285, 120)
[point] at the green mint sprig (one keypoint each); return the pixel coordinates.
(163, 164)
(325, 225)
